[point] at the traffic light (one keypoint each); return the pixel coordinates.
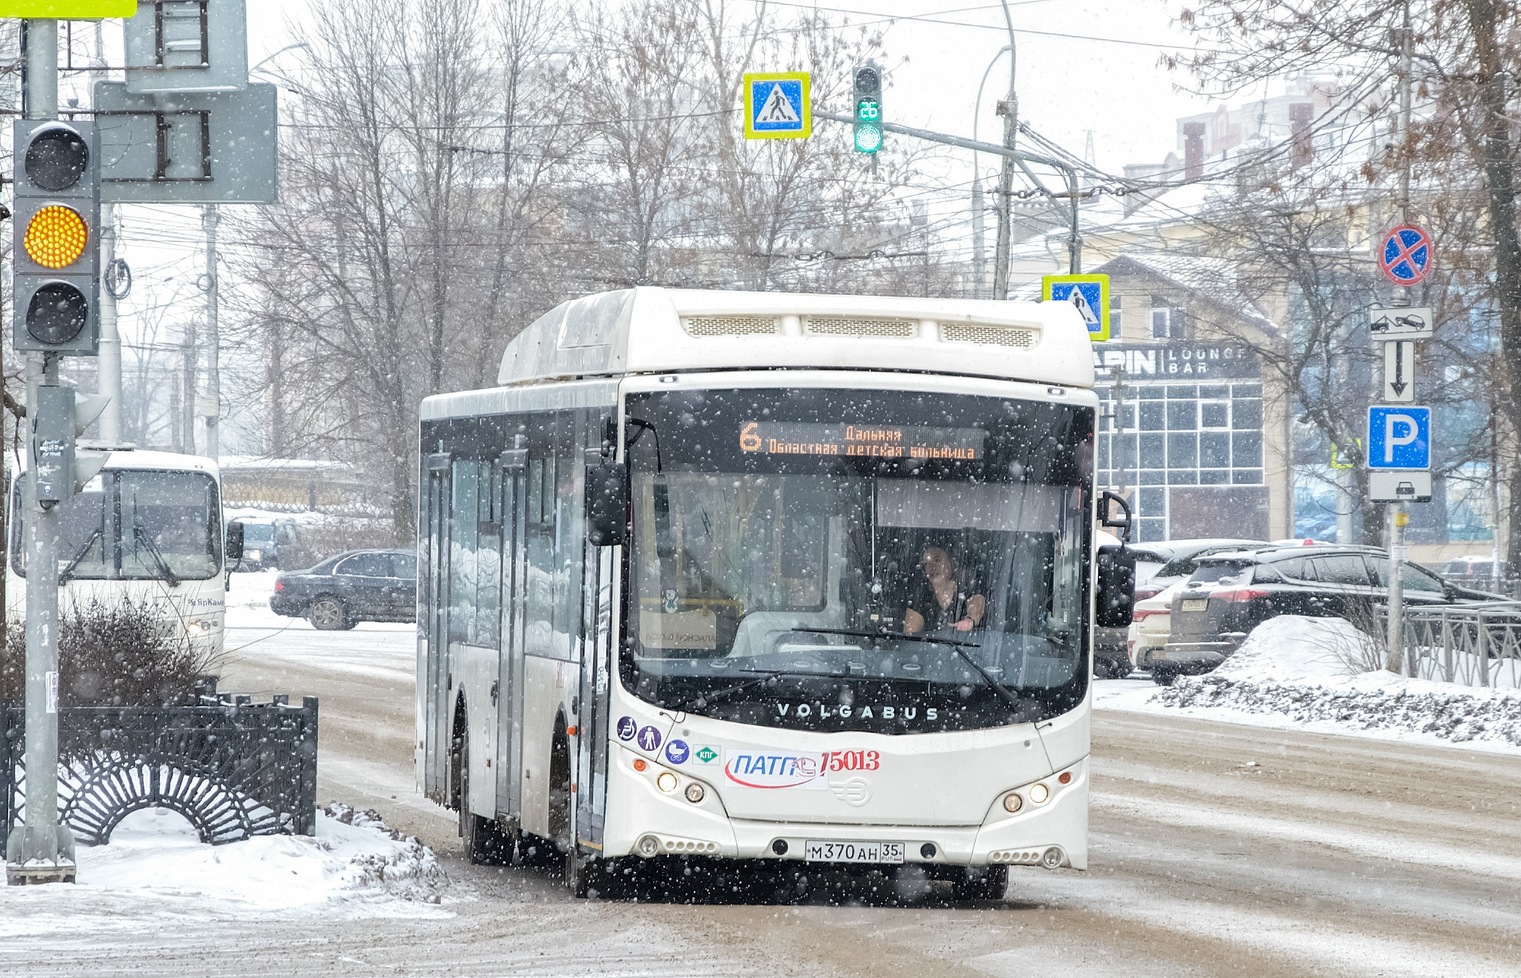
(56, 223)
(866, 103)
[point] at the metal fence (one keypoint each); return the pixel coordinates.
(1471, 645)
(231, 767)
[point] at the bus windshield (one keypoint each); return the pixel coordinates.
(857, 560)
(134, 524)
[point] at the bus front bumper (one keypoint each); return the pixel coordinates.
(646, 819)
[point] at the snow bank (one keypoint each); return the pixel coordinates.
(355, 865)
(1313, 670)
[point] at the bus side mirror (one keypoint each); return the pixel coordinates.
(1116, 587)
(1114, 514)
(234, 542)
(607, 494)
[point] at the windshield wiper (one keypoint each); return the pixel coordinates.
(901, 636)
(958, 645)
(145, 541)
(79, 556)
(765, 676)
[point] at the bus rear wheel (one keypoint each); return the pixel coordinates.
(486, 841)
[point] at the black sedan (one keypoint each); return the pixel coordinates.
(1229, 594)
(354, 586)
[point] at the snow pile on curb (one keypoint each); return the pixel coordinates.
(406, 869)
(1315, 669)
(354, 866)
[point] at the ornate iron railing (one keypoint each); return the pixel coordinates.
(231, 767)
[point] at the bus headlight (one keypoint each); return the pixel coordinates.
(666, 782)
(1012, 802)
(694, 793)
(200, 626)
(1039, 793)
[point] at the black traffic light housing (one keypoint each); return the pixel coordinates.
(866, 107)
(56, 237)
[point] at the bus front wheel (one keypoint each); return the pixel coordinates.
(981, 883)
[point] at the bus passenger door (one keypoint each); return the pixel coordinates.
(509, 683)
(433, 665)
(596, 665)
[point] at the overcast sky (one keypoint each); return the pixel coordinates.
(1084, 66)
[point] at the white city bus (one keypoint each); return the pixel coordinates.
(147, 531)
(664, 567)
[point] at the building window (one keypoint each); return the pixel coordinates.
(1114, 317)
(1166, 319)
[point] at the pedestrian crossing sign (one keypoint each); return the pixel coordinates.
(777, 106)
(1089, 293)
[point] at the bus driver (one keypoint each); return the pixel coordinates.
(941, 600)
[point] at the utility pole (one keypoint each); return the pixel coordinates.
(1009, 109)
(108, 364)
(210, 405)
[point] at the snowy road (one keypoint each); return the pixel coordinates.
(1218, 849)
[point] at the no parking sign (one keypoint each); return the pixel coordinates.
(1406, 255)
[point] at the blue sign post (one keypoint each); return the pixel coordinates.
(1399, 437)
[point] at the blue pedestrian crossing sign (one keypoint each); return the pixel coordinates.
(1089, 293)
(777, 106)
(1399, 437)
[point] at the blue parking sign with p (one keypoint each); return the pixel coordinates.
(1399, 437)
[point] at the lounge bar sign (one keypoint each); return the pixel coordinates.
(868, 440)
(1180, 361)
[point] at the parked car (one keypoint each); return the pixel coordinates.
(1182, 557)
(1156, 566)
(1475, 570)
(266, 542)
(1229, 594)
(1150, 625)
(354, 586)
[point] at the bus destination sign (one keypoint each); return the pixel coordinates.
(878, 441)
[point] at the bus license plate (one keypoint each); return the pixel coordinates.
(1195, 604)
(853, 852)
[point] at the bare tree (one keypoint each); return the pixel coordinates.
(1460, 155)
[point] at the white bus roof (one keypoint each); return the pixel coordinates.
(654, 330)
(131, 458)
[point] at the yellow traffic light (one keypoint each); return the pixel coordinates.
(55, 243)
(56, 236)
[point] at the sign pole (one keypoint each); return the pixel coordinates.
(1395, 645)
(40, 848)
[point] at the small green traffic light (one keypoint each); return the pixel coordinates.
(866, 96)
(868, 125)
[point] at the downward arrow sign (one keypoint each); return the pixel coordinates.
(1399, 371)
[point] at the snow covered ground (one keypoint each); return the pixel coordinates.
(1293, 672)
